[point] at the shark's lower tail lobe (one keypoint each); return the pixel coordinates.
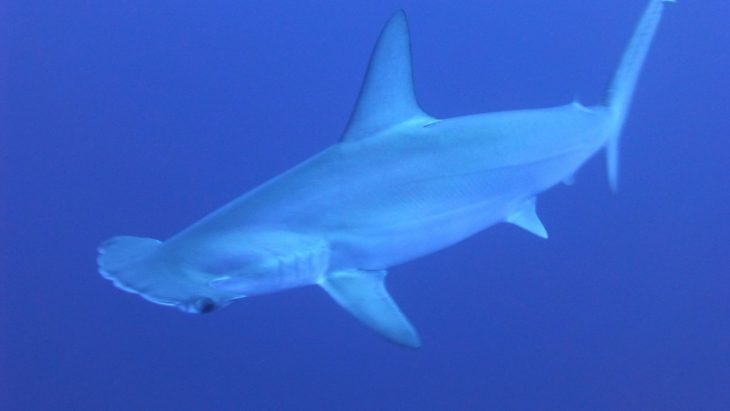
(624, 82)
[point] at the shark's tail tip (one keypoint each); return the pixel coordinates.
(622, 88)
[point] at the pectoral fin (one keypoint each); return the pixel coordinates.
(363, 294)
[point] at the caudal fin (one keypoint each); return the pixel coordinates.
(624, 82)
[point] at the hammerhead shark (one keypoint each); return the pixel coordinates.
(398, 185)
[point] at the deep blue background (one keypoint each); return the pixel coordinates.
(139, 117)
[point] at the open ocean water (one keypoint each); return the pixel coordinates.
(140, 117)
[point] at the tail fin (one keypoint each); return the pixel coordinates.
(624, 82)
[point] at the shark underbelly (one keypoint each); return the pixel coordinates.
(376, 206)
(415, 218)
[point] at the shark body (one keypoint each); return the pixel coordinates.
(399, 185)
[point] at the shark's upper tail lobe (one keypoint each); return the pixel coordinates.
(624, 81)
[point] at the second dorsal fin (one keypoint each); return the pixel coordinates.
(386, 97)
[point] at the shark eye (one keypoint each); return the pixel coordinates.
(205, 305)
(200, 306)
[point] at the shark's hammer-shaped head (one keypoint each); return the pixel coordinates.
(208, 272)
(141, 266)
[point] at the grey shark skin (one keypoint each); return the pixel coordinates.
(399, 185)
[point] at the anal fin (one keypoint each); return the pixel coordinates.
(364, 295)
(526, 217)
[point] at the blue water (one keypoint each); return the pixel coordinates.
(139, 117)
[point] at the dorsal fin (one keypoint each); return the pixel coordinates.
(386, 97)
